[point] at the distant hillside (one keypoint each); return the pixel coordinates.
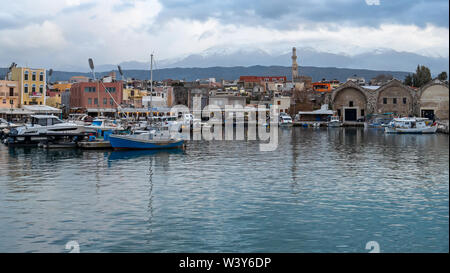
(231, 73)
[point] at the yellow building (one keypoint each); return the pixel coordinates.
(133, 96)
(54, 95)
(32, 86)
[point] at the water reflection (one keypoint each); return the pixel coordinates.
(324, 190)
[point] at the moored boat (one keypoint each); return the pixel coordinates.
(334, 122)
(411, 125)
(160, 137)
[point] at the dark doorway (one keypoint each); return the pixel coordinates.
(428, 114)
(350, 114)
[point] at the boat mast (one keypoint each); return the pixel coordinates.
(151, 83)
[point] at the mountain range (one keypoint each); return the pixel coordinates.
(232, 73)
(229, 64)
(380, 59)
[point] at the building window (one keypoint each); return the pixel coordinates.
(89, 101)
(41, 89)
(11, 91)
(394, 100)
(404, 100)
(25, 88)
(11, 102)
(96, 101)
(339, 112)
(89, 89)
(384, 100)
(279, 102)
(25, 76)
(111, 101)
(40, 102)
(105, 101)
(350, 103)
(41, 76)
(4, 101)
(33, 88)
(25, 102)
(33, 77)
(362, 112)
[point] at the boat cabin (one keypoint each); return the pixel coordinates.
(45, 120)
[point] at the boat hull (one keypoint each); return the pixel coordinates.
(127, 142)
(428, 130)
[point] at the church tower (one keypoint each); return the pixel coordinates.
(294, 64)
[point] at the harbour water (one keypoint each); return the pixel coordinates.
(322, 190)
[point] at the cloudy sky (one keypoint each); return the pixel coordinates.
(64, 33)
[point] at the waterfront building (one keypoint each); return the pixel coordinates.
(162, 96)
(93, 95)
(395, 97)
(9, 94)
(222, 100)
(32, 85)
(321, 87)
(283, 103)
(132, 97)
(266, 82)
(350, 101)
(433, 100)
(54, 93)
(353, 102)
(357, 80)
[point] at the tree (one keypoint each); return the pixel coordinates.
(408, 80)
(442, 76)
(421, 77)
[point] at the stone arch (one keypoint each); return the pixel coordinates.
(350, 101)
(433, 98)
(395, 97)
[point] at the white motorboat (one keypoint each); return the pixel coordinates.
(48, 124)
(285, 120)
(334, 122)
(411, 125)
(6, 125)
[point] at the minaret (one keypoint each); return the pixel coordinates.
(294, 64)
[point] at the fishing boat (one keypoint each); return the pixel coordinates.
(104, 125)
(161, 137)
(411, 125)
(334, 122)
(162, 133)
(379, 120)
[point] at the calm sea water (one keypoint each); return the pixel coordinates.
(322, 190)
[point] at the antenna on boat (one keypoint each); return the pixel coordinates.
(151, 84)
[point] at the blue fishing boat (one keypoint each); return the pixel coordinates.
(161, 137)
(142, 142)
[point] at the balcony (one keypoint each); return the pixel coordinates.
(35, 95)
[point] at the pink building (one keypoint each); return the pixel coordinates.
(9, 94)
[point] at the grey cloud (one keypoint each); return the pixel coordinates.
(290, 13)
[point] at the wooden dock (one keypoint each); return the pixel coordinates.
(94, 145)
